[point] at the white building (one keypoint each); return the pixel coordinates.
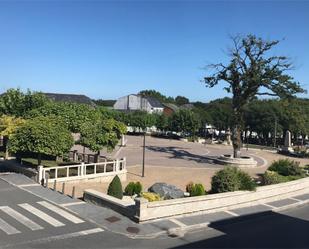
(135, 102)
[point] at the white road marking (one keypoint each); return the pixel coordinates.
(61, 212)
(72, 204)
(52, 221)
(295, 199)
(57, 237)
(177, 222)
(28, 185)
(267, 205)
(231, 213)
(21, 218)
(7, 228)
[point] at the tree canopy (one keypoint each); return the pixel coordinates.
(251, 71)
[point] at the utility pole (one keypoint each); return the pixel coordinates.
(144, 147)
(275, 140)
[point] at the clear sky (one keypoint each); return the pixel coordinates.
(107, 49)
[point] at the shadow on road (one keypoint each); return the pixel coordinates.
(180, 153)
(264, 230)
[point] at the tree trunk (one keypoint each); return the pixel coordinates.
(236, 134)
(39, 158)
(6, 146)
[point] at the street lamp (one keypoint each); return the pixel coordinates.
(144, 147)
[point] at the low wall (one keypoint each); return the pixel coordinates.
(14, 166)
(104, 200)
(219, 202)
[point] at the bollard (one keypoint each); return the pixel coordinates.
(63, 187)
(73, 192)
(55, 185)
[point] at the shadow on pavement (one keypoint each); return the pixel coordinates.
(180, 153)
(264, 230)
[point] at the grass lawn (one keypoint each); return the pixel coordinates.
(1, 153)
(262, 147)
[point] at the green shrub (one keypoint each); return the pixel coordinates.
(246, 182)
(231, 179)
(151, 196)
(133, 188)
(138, 188)
(115, 188)
(129, 190)
(286, 167)
(272, 177)
(197, 190)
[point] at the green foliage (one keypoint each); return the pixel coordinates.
(104, 102)
(272, 177)
(286, 167)
(16, 103)
(115, 188)
(42, 135)
(181, 100)
(185, 121)
(196, 189)
(155, 94)
(231, 179)
(101, 133)
(151, 196)
(73, 115)
(246, 182)
(252, 71)
(141, 120)
(133, 188)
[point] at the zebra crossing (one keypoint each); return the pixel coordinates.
(40, 209)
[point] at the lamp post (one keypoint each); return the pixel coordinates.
(144, 147)
(275, 140)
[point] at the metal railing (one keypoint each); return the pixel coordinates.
(81, 171)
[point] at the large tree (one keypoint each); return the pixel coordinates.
(251, 71)
(100, 133)
(42, 135)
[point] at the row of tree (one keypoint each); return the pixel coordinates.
(30, 122)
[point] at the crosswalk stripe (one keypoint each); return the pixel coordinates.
(21, 218)
(7, 228)
(52, 221)
(61, 212)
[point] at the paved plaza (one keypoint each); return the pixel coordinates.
(176, 162)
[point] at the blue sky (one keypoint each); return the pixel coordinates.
(109, 49)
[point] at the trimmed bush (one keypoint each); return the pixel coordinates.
(272, 177)
(133, 188)
(246, 182)
(115, 188)
(195, 189)
(129, 190)
(151, 196)
(231, 179)
(225, 180)
(286, 167)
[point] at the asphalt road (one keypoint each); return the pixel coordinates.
(27, 221)
(273, 230)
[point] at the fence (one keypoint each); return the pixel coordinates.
(81, 171)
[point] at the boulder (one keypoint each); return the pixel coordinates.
(166, 191)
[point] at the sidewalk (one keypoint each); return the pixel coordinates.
(174, 226)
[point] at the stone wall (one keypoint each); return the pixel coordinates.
(219, 202)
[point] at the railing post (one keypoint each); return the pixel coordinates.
(41, 174)
(56, 173)
(95, 168)
(68, 172)
(82, 169)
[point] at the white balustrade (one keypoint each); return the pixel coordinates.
(81, 170)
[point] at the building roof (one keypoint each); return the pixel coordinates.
(174, 107)
(153, 102)
(187, 106)
(75, 98)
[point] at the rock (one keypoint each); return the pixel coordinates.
(166, 191)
